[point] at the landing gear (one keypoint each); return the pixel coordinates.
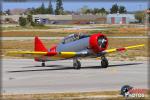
(43, 64)
(76, 63)
(104, 62)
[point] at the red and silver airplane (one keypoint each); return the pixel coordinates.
(73, 47)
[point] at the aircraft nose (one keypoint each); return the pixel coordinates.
(98, 42)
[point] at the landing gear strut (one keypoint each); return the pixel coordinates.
(76, 63)
(43, 64)
(104, 62)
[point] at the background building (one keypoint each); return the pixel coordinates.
(120, 18)
(74, 19)
(69, 19)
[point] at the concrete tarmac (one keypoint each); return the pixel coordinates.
(21, 76)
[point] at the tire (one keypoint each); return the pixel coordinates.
(77, 65)
(104, 63)
(43, 64)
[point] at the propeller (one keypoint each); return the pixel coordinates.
(102, 42)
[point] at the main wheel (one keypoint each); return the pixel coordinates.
(77, 65)
(104, 63)
(43, 64)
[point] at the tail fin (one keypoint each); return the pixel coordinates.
(38, 45)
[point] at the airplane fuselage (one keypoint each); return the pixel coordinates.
(89, 44)
(75, 46)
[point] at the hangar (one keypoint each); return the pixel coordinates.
(76, 19)
(120, 18)
(69, 19)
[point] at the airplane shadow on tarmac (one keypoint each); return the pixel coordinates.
(42, 67)
(61, 67)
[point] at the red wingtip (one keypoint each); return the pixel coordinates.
(39, 45)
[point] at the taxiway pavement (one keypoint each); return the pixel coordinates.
(27, 76)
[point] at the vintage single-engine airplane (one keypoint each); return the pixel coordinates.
(73, 47)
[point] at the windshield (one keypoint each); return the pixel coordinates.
(73, 37)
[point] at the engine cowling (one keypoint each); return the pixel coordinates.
(98, 42)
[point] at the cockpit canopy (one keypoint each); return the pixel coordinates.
(73, 37)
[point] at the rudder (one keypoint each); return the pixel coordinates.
(38, 45)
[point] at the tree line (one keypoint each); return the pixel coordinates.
(114, 9)
(84, 10)
(43, 10)
(60, 10)
(139, 15)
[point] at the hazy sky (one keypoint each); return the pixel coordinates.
(73, 6)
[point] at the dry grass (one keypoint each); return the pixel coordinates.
(109, 95)
(60, 96)
(63, 32)
(49, 33)
(126, 32)
(25, 44)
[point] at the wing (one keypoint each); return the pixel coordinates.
(28, 54)
(66, 54)
(122, 49)
(32, 54)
